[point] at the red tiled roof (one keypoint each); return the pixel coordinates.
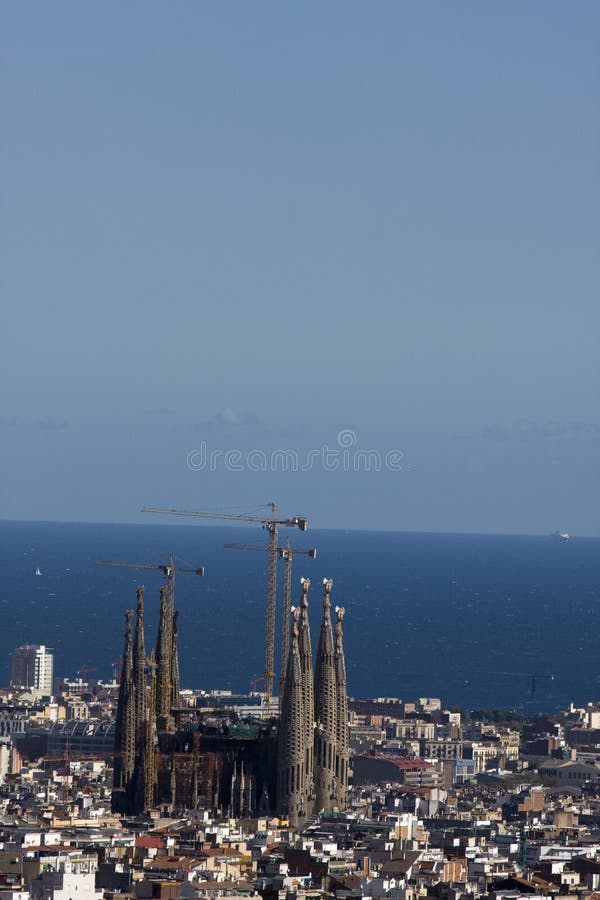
(173, 863)
(150, 841)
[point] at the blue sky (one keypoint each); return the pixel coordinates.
(252, 226)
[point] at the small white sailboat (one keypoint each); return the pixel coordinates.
(38, 571)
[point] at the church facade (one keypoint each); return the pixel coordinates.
(293, 765)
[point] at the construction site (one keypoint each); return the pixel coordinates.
(289, 758)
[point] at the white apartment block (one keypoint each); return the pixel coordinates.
(32, 666)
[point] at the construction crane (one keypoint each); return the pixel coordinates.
(271, 525)
(534, 680)
(286, 553)
(84, 670)
(168, 570)
(167, 660)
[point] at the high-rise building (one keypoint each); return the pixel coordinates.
(32, 666)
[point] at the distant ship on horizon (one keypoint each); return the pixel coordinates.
(561, 535)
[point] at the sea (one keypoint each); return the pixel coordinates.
(476, 620)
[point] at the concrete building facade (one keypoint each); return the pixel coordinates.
(32, 666)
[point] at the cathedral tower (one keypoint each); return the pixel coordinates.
(139, 663)
(291, 782)
(326, 711)
(124, 763)
(306, 673)
(341, 758)
(164, 649)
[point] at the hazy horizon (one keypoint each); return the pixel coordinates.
(166, 520)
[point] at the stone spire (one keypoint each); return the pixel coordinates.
(175, 685)
(124, 763)
(139, 664)
(325, 710)
(291, 788)
(306, 672)
(150, 740)
(140, 706)
(341, 761)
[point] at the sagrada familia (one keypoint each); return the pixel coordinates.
(293, 765)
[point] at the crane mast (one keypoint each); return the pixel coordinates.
(286, 553)
(269, 672)
(535, 676)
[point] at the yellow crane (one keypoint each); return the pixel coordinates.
(286, 553)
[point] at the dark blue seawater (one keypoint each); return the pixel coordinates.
(469, 618)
